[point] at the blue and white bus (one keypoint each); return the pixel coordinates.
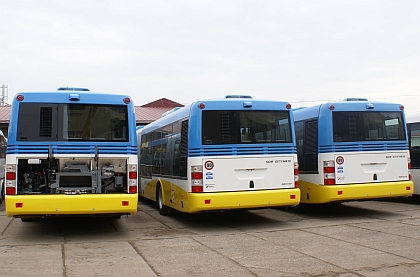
(413, 129)
(71, 152)
(352, 150)
(232, 153)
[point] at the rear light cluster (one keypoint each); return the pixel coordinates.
(132, 178)
(409, 169)
(329, 173)
(10, 179)
(197, 178)
(296, 172)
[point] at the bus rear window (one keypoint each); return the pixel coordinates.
(228, 127)
(72, 122)
(367, 126)
(95, 122)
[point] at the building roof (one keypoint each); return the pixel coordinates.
(144, 114)
(163, 103)
(5, 114)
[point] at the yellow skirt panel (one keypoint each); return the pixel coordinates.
(62, 204)
(197, 202)
(318, 194)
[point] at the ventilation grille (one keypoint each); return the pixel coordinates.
(225, 128)
(45, 122)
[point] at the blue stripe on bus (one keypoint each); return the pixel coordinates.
(71, 149)
(240, 150)
(360, 147)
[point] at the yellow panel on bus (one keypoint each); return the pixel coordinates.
(318, 194)
(63, 204)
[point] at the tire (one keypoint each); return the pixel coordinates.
(2, 193)
(163, 209)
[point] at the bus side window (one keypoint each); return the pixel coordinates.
(415, 145)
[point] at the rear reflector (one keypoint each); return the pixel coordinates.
(125, 203)
(19, 205)
(207, 201)
(292, 196)
(408, 188)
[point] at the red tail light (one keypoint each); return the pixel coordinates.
(409, 170)
(329, 173)
(11, 175)
(329, 182)
(196, 175)
(197, 178)
(132, 175)
(132, 178)
(10, 190)
(329, 169)
(296, 173)
(132, 189)
(196, 188)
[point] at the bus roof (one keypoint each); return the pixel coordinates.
(217, 104)
(317, 110)
(65, 96)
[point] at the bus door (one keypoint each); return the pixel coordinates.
(236, 174)
(370, 167)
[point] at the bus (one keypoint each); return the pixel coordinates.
(71, 152)
(413, 129)
(352, 150)
(3, 142)
(220, 154)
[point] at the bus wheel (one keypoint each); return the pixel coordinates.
(163, 210)
(2, 193)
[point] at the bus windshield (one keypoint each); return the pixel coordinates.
(367, 126)
(72, 122)
(241, 127)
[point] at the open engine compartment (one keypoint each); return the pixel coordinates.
(71, 175)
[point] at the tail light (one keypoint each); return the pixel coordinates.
(197, 178)
(409, 169)
(132, 178)
(10, 179)
(296, 173)
(329, 173)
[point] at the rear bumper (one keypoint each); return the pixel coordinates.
(318, 194)
(241, 200)
(62, 204)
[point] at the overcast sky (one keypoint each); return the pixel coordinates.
(303, 52)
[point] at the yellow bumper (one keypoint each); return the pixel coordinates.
(318, 194)
(241, 200)
(62, 204)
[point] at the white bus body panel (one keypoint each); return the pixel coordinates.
(239, 173)
(415, 173)
(371, 167)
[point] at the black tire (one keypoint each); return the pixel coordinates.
(163, 209)
(2, 193)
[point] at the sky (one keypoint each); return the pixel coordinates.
(302, 52)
